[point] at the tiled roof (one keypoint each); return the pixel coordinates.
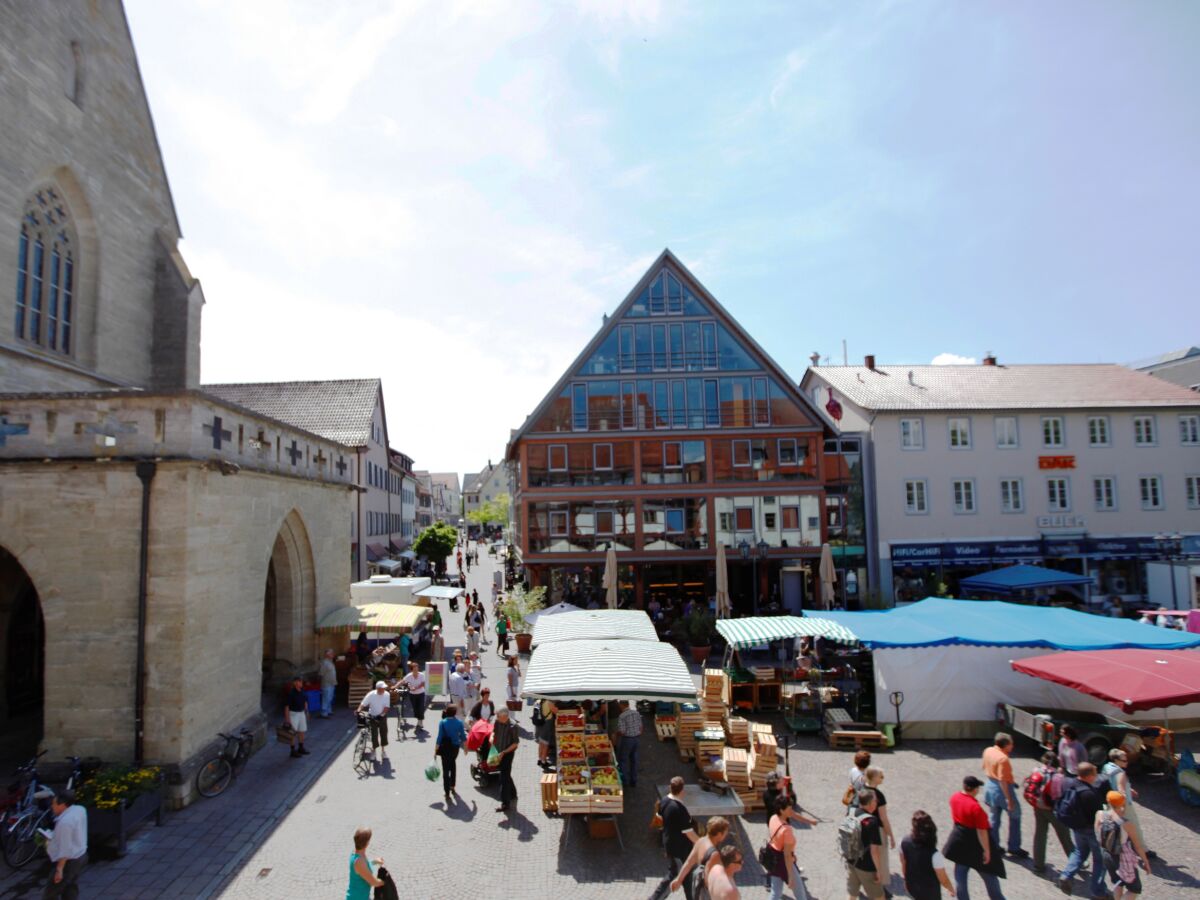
(1002, 387)
(1163, 359)
(446, 479)
(471, 480)
(337, 410)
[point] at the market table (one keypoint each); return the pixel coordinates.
(704, 803)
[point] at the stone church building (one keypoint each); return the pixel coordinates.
(164, 554)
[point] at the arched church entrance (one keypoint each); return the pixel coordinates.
(23, 665)
(289, 605)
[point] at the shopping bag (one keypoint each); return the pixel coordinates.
(493, 757)
(433, 773)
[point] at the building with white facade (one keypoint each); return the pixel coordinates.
(424, 489)
(1092, 469)
(447, 497)
(404, 502)
(485, 486)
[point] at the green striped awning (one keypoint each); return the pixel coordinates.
(752, 631)
(595, 625)
(608, 670)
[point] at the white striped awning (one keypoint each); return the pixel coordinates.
(595, 625)
(752, 631)
(389, 617)
(608, 670)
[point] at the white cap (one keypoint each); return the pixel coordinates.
(381, 684)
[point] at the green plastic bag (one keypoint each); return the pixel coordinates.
(433, 773)
(493, 757)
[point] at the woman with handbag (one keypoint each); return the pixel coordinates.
(451, 735)
(778, 854)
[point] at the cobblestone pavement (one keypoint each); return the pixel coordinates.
(284, 829)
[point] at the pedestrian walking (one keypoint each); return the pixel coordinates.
(362, 874)
(970, 844)
(375, 705)
(484, 710)
(863, 870)
(505, 739)
(513, 680)
(1122, 846)
(921, 864)
(1081, 799)
(67, 846)
(873, 778)
(719, 880)
(450, 737)
(415, 682)
(472, 640)
(1000, 795)
(295, 714)
(1070, 751)
(474, 596)
(437, 646)
(1116, 772)
(459, 688)
(858, 771)
(405, 644)
(1041, 789)
(502, 635)
(437, 617)
(629, 729)
(328, 673)
(782, 841)
(716, 830)
(678, 836)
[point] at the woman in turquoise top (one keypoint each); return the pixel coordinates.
(362, 876)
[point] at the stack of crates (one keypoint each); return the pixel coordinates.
(737, 729)
(712, 700)
(688, 720)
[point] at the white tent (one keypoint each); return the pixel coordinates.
(382, 589)
(556, 609)
(608, 670)
(596, 625)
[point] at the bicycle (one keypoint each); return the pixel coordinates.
(216, 774)
(363, 755)
(33, 813)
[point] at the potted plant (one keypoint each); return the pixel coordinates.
(119, 799)
(699, 629)
(519, 606)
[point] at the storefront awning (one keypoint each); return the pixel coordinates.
(595, 625)
(1021, 578)
(608, 670)
(386, 617)
(1132, 680)
(375, 552)
(388, 565)
(756, 630)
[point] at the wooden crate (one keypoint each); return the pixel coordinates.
(574, 803)
(857, 740)
(549, 792)
(737, 767)
(737, 731)
(607, 804)
(664, 728)
(714, 684)
(599, 829)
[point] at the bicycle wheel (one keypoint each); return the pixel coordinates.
(214, 776)
(20, 845)
(362, 759)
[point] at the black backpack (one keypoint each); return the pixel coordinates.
(1069, 810)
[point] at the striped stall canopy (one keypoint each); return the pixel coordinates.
(595, 625)
(441, 592)
(750, 632)
(608, 670)
(393, 617)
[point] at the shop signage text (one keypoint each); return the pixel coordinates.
(1060, 520)
(1056, 462)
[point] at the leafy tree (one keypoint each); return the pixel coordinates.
(521, 604)
(494, 510)
(436, 543)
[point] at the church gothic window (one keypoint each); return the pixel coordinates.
(47, 261)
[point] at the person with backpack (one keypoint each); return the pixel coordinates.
(716, 830)
(678, 836)
(1081, 799)
(1122, 846)
(1041, 789)
(971, 845)
(923, 867)
(1117, 774)
(860, 840)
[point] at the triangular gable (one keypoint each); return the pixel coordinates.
(637, 307)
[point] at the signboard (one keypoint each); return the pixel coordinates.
(1006, 550)
(435, 678)
(1056, 462)
(916, 553)
(1060, 520)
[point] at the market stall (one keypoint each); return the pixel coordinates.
(1131, 680)
(950, 659)
(374, 618)
(385, 589)
(555, 610)
(1011, 581)
(439, 592)
(595, 625)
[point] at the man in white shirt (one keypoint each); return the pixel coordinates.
(328, 672)
(376, 705)
(67, 847)
(460, 689)
(415, 682)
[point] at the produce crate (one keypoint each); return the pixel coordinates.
(607, 804)
(549, 792)
(569, 804)
(737, 767)
(737, 730)
(714, 684)
(568, 720)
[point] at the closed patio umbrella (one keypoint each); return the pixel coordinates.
(828, 577)
(610, 577)
(724, 608)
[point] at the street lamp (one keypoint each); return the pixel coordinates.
(761, 549)
(1171, 546)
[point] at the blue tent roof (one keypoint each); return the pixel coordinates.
(936, 621)
(1021, 578)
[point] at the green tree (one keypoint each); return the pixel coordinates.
(521, 604)
(494, 510)
(435, 543)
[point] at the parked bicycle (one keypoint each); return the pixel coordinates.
(216, 774)
(31, 812)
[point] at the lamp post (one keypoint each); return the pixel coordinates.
(754, 553)
(1170, 546)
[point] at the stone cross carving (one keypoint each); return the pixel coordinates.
(12, 429)
(341, 466)
(110, 427)
(294, 452)
(320, 459)
(260, 444)
(218, 434)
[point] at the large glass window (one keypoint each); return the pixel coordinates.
(677, 356)
(673, 462)
(659, 344)
(579, 407)
(712, 407)
(709, 339)
(1052, 432)
(662, 404)
(1151, 490)
(1011, 499)
(762, 407)
(674, 296)
(1098, 431)
(641, 347)
(1058, 495)
(1145, 432)
(912, 434)
(960, 433)
(675, 524)
(788, 520)
(678, 404)
(1006, 432)
(45, 285)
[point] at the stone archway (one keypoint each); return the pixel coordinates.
(22, 666)
(289, 604)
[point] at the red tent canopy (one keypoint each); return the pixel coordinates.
(1130, 679)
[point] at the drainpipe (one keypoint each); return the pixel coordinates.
(145, 473)
(359, 528)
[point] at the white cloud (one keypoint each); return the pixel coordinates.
(795, 62)
(952, 359)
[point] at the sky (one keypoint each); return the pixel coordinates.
(450, 195)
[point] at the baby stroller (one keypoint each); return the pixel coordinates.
(454, 603)
(479, 740)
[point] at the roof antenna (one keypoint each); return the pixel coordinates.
(845, 356)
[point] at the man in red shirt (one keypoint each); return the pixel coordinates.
(975, 851)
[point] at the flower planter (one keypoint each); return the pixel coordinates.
(524, 641)
(700, 654)
(116, 824)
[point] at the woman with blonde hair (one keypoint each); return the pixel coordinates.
(362, 874)
(873, 778)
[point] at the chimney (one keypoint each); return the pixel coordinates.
(910, 377)
(870, 361)
(989, 360)
(816, 359)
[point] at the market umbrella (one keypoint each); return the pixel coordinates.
(724, 610)
(1133, 679)
(828, 577)
(610, 577)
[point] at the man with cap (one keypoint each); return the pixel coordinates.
(376, 705)
(295, 714)
(504, 740)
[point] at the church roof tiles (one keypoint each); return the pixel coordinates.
(339, 410)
